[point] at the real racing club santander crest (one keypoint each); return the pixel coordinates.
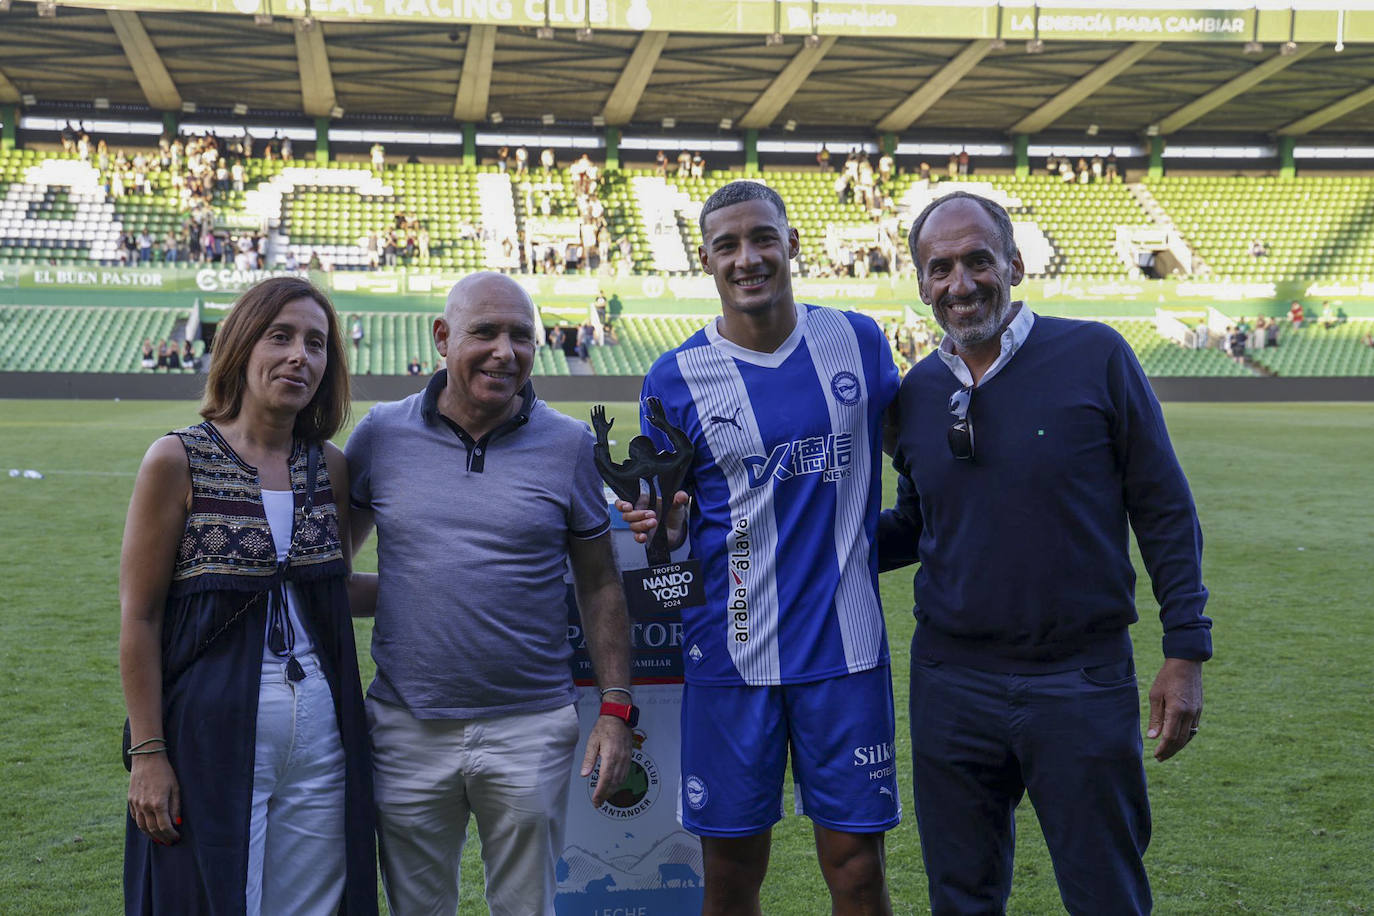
(640, 789)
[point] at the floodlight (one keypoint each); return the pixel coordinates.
(811, 41)
(188, 107)
(5, 5)
(263, 19)
(1339, 47)
(790, 126)
(669, 123)
(307, 22)
(496, 117)
(544, 32)
(1035, 46)
(102, 104)
(598, 120)
(547, 120)
(997, 44)
(29, 99)
(1152, 130)
(1288, 48)
(726, 123)
(584, 34)
(47, 9)
(240, 109)
(336, 112)
(772, 40)
(1092, 130)
(1252, 47)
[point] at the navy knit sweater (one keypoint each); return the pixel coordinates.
(1024, 551)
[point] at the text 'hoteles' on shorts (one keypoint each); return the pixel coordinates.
(734, 755)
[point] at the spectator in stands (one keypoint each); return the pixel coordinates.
(661, 164)
(1369, 340)
(963, 163)
(162, 354)
(698, 165)
(1081, 172)
(503, 159)
(378, 153)
(572, 258)
(173, 356)
(412, 247)
(355, 333)
(1271, 333)
(1051, 165)
(1295, 313)
(1111, 173)
(586, 335)
(522, 161)
(170, 248)
(885, 167)
(291, 262)
(1095, 166)
(823, 159)
(286, 152)
(372, 249)
(684, 164)
(188, 356)
(547, 160)
(1239, 340)
(841, 188)
(1066, 170)
(145, 247)
(1201, 333)
(413, 367)
(390, 249)
(952, 166)
(1328, 319)
(147, 356)
(422, 242)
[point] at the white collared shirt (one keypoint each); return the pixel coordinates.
(1018, 329)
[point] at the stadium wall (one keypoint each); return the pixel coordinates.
(610, 388)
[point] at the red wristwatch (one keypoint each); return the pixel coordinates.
(625, 712)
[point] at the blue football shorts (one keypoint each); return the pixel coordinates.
(840, 730)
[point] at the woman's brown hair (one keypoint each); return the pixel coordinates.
(238, 333)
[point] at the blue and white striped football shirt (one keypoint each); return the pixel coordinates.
(787, 486)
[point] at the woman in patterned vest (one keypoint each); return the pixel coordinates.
(250, 790)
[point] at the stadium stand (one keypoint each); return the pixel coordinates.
(74, 339)
(1306, 226)
(1312, 350)
(1163, 358)
(58, 209)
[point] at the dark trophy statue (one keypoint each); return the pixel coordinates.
(660, 473)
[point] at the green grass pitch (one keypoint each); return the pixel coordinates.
(1270, 811)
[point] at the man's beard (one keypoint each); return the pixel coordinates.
(966, 336)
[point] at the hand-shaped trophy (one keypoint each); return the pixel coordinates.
(663, 584)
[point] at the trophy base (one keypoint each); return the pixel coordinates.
(665, 587)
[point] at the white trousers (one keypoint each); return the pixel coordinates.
(511, 772)
(296, 834)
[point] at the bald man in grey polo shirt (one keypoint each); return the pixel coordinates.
(472, 708)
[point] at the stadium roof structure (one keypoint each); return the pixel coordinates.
(906, 67)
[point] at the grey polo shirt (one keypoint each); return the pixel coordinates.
(472, 545)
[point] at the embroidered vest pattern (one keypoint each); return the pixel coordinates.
(227, 534)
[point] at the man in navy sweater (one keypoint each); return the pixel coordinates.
(1027, 446)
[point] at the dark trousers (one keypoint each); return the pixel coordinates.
(1071, 740)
